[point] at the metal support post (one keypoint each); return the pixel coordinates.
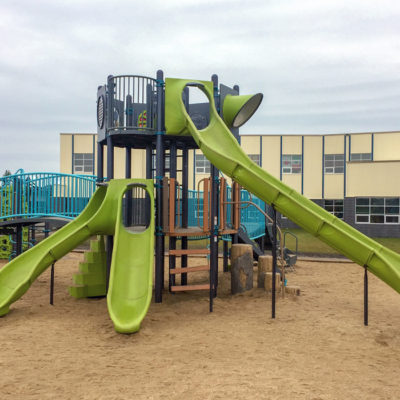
(100, 162)
(149, 162)
(185, 208)
(214, 229)
(214, 215)
(110, 175)
(128, 196)
(52, 284)
(128, 162)
(365, 295)
(18, 240)
(273, 261)
(172, 239)
(159, 268)
(226, 255)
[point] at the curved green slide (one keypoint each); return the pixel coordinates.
(221, 148)
(130, 286)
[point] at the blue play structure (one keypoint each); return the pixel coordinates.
(44, 194)
(47, 194)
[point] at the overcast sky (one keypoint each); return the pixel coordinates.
(323, 66)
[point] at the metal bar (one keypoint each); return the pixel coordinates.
(149, 162)
(52, 285)
(205, 206)
(159, 268)
(273, 261)
(172, 202)
(100, 162)
(365, 295)
(18, 247)
(222, 211)
(214, 228)
(110, 175)
(185, 209)
(226, 254)
(174, 207)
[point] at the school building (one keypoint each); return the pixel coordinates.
(354, 176)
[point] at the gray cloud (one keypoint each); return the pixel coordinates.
(323, 67)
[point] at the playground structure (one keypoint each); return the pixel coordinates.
(156, 115)
(33, 202)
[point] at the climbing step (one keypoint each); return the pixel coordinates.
(189, 269)
(190, 288)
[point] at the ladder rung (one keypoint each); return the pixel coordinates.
(190, 287)
(190, 269)
(180, 252)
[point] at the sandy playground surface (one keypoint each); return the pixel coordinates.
(317, 348)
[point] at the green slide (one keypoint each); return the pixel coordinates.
(221, 148)
(130, 287)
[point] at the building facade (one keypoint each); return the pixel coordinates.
(353, 176)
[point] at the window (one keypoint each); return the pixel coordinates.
(83, 163)
(335, 207)
(291, 164)
(203, 166)
(255, 158)
(378, 210)
(361, 157)
(334, 163)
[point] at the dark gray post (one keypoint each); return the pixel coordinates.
(128, 197)
(159, 269)
(226, 254)
(110, 158)
(185, 208)
(110, 175)
(273, 260)
(365, 295)
(214, 217)
(149, 162)
(52, 284)
(18, 240)
(172, 239)
(128, 162)
(100, 162)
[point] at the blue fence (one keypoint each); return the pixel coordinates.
(37, 194)
(251, 219)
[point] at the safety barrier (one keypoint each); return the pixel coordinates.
(38, 194)
(44, 194)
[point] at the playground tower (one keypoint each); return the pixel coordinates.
(131, 114)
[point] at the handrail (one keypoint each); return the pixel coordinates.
(266, 216)
(292, 234)
(40, 194)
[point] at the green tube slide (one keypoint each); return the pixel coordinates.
(221, 149)
(130, 286)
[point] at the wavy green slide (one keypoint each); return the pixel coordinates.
(130, 286)
(221, 148)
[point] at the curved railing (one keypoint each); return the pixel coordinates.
(47, 194)
(39, 194)
(252, 220)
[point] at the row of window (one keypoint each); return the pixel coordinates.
(369, 210)
(378, 210)
(333, 163)
(203, 166)
(291, 163)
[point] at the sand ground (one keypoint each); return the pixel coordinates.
(316, 348)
